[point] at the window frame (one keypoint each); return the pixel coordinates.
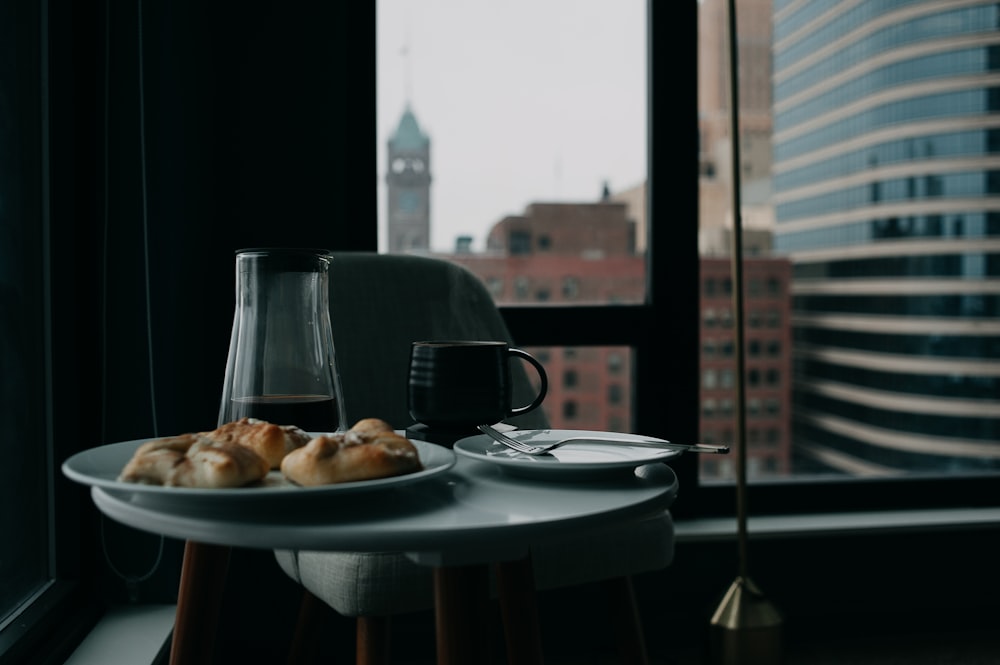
(668, 407)
(52, 623)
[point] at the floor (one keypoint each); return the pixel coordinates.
(135, 635)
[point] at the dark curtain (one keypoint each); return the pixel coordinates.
(201, 128)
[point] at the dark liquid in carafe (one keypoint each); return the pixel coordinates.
(313, 413)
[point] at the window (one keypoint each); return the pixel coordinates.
(45, 595)
(615, 362)
(521, 285)
(23, 483)
(520, 242)
(833, 200)
(570, 379)
(663, 368)
(570, 287)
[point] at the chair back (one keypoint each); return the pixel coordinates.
(381, 303)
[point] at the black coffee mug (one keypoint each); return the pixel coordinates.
(461, 384)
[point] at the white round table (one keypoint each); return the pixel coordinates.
(473, 514)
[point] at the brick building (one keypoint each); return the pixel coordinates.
(584, 253)
(767, 359)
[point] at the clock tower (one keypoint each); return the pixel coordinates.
(409, 186)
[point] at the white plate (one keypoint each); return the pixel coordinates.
(572, 459)
(100, 467)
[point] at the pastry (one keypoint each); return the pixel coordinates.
(194, 460)
(244, 451)
(370, 449)
(270, 441)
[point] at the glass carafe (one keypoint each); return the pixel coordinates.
(281, 365)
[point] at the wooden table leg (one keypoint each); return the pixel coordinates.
(516, 588)
(461, 601)
(199, 599)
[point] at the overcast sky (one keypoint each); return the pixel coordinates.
(523, 100)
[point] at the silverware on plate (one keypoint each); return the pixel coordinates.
(531, 449)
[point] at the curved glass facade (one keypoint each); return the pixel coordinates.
(953, 105)
(950, 145)
(887, 189)
(953, 225)
(938, 24)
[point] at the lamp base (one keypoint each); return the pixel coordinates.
(746, 628)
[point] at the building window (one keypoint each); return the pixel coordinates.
(495, 286)
(709, 379)
(708, 408)
(570, 287)
(521, 285)
(569, 409)
(727, 378)
(570, 378)
(519, 243)
(726, 407)
(615, 393)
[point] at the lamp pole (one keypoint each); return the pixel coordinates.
(745, 628)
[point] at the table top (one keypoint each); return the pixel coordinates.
(473, 513)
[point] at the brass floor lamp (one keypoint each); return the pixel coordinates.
(746, 627)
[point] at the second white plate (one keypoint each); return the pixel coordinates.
(570, 460)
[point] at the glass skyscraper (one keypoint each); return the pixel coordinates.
(886, 175)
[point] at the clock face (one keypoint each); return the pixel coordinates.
(414, 164)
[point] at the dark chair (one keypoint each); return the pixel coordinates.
(380, 303)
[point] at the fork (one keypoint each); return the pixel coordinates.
(529, 449)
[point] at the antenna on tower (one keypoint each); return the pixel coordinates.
(404, 52)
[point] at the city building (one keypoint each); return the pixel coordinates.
(409, 186)
(886, 176)
(583, 253)
(767, 361)
(573, 253)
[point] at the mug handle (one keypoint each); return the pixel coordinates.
(544, 388)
